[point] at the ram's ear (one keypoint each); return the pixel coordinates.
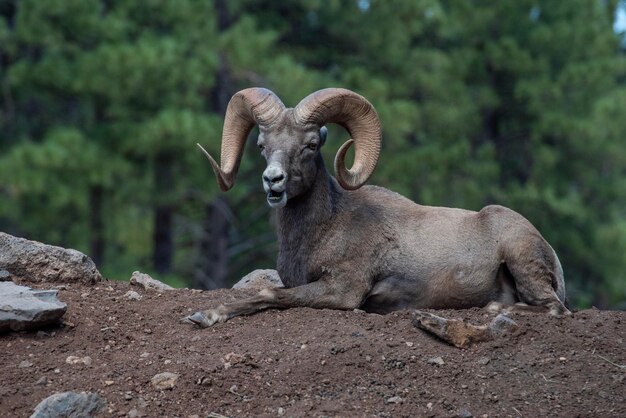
(323, 134)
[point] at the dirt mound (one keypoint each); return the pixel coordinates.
(306, 362)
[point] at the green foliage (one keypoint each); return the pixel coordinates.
(515, 103)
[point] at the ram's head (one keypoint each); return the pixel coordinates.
(290, 139)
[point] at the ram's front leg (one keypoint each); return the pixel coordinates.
(324, 293)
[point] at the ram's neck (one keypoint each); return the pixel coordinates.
(302, 222)
(310, 210)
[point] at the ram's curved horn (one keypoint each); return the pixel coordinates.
(246, 108)
(359, 118)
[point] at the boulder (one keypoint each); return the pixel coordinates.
(259, 279)
(36, 262)
(70, 405)
(22, 308)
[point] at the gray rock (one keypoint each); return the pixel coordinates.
(70, 405)
(132, 295)
(259, 279)
(394, 399)
(464, 413)
(436, 360)
(164, 380)
(148, 283)
(134, 413)
(502, 325)
(78, 360)
(5, 276)
(22, 308)
(484, 360)
(37, 262)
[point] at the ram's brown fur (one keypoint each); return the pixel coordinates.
(371, 248)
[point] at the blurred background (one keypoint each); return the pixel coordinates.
(520, 103)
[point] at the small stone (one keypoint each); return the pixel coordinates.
(409, 344)
(164, 380)
(128, 396)
(108, 382)
(68, 324)
(232, 359)
(281, 410)
(435, 360)
(394, 399)
(148, 283)
(132, 295)
(429, 405)
(24, 364)
(502, 325)
(167, 361)
(562, 359)
(144, 354)
(464, 413)
(78, 360)
(5, 276)
(134, 413)
(42, 381)
(484, 360)
(368, 358)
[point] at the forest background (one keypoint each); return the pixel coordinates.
(520, 103)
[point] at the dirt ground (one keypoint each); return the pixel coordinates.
(306, 362)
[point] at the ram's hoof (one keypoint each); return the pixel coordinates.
(201, 319)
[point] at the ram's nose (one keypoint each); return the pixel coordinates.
(275, 183)
(274, 179)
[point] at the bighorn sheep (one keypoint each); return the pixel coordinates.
(344, 246)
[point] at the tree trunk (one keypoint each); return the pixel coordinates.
(96, 225)
(163, 241)
(212, 264)
(212, 271)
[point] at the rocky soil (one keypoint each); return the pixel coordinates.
(306, 362)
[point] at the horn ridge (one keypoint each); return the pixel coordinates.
(357, 115)
(245, 109)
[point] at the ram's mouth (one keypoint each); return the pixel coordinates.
(276, 199)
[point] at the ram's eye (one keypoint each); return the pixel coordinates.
(261, 147)
(312, 146)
